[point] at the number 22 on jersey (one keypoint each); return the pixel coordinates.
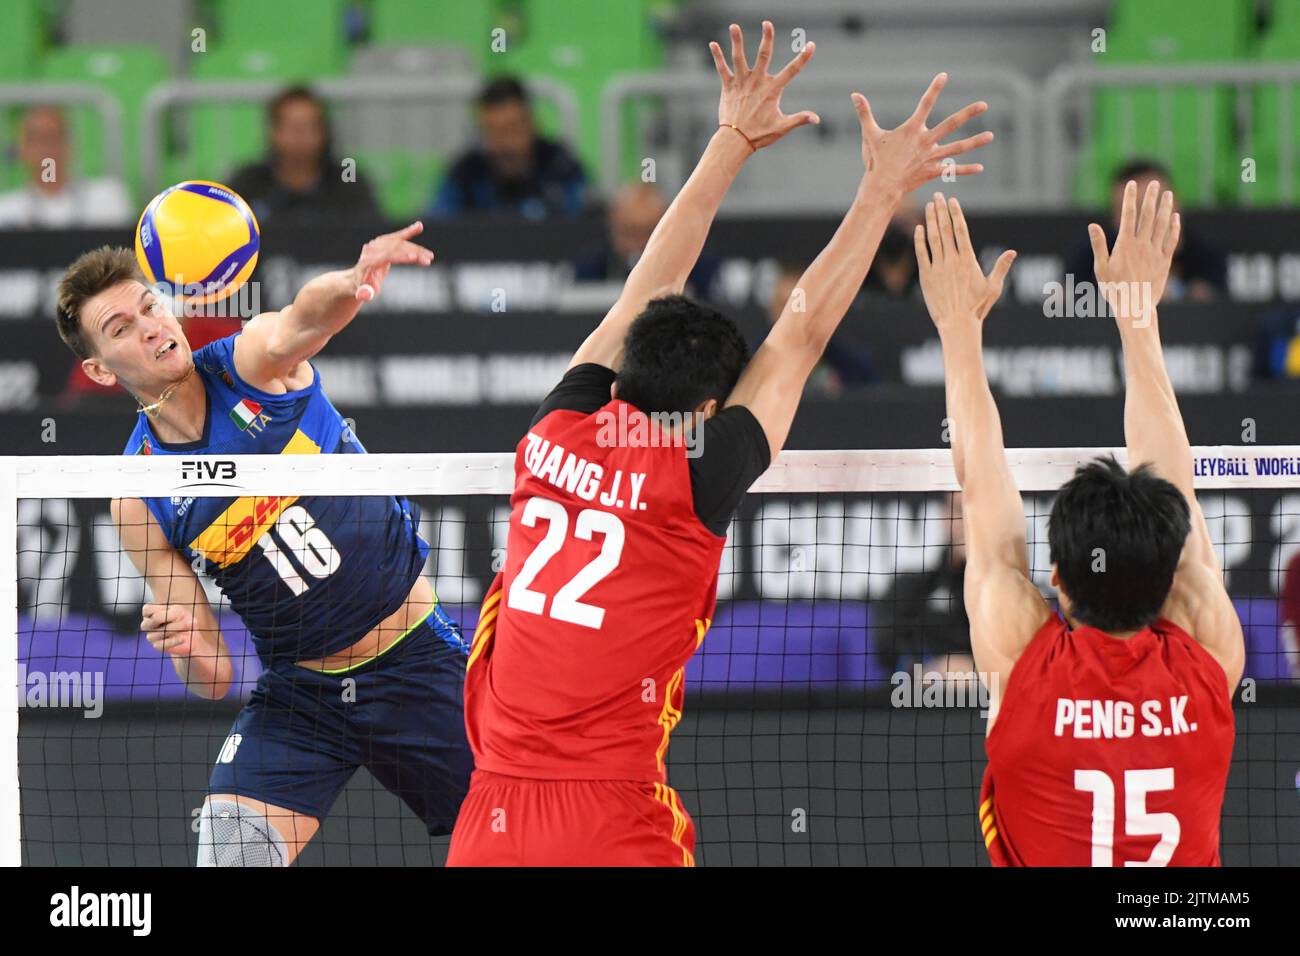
(566, 604)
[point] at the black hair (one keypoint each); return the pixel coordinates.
(503, 89)
(679, 353)
(1116, 537)
(1141, 166)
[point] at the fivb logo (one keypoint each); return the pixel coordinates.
(75, 908)
(194, 470)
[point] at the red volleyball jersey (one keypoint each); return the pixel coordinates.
(608, 588)
(1108, 752)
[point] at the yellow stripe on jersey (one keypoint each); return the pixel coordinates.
(229, 538)
(668, 797)
(669, 715)
(486, 627)
(990, 837)
(701, 628)
(985, 806)
(985, 823)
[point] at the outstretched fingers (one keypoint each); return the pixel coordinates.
(869, 128)
(962, 145)
(720, 62)
(929, 98)
(764, 48)
(738, 62)
(957, 120)
(1100, 254)
(795, 66)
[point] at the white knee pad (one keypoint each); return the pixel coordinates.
(231, 834)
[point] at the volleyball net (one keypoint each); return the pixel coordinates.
(832, 716)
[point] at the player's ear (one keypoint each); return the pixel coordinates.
(1056, 578)
(613, 390)
(706, 409)
(97, 372)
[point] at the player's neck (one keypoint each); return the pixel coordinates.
(1118, 635)
(180, 418)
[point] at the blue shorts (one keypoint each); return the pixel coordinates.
(302, 734)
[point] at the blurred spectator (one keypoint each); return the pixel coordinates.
(844, 364)
(1200, 268)
(923, 619)
(631, 217)
(513, 170)
(300, 182)
(893, 271)
(53, 198)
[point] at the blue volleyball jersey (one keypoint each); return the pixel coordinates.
(308, 575)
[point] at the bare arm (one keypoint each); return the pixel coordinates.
(1002, 603)
(751, 102)
(1133, 277)
(275, 345)
(897, 161)
(180, 623)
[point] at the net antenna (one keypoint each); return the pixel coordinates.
(86, 476)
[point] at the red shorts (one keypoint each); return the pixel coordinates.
(512, 821)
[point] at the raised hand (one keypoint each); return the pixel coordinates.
(956, 290)
(382, 253)
(1134, 273)
(910, 155)
(751, 97)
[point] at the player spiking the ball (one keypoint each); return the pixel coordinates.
(575, 677)
(329, 587)
(1110, 725)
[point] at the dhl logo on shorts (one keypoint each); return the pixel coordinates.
(234, 532)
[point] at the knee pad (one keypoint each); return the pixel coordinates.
(231, 834)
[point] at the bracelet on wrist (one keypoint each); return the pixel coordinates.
(752, 147)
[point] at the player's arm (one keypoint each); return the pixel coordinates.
(897, 161)
(1003, 604)
(274, 345)
(1133, 276)
(180, 622)
(751, 102)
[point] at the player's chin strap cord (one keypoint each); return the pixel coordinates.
(741, 132)
(167, 393)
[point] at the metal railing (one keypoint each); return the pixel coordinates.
(1000, 83)
(1209, 80)
(349, 91)
(76, 94)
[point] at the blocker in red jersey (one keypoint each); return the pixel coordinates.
(1110, 721)
(576, 676)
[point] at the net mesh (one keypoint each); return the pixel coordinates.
(832, 713)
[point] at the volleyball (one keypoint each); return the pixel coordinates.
(199, 240)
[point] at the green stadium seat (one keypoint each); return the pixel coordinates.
(1172, 127)
(1281, 44)
(468, 23)
(403, 180)
(313, 30)
(126, 72)
(21, 40)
